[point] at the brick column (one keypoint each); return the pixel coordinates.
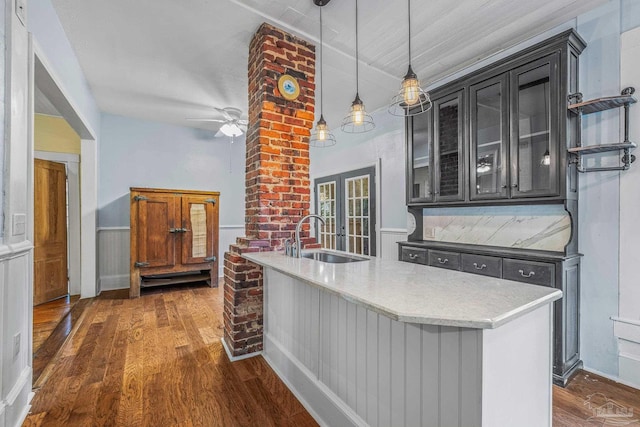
(277, 176)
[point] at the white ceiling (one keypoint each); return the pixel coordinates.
(166, 60)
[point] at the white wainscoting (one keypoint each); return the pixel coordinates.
(388, 242)
(350, 366)
(628, 333)
(113, 254)
(16, 265)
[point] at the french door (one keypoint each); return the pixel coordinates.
(347, 202)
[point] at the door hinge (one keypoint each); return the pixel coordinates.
(140, 264)
(139, 198)
(211, 259)
(212, 201)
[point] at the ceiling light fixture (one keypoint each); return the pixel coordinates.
(410, 99)
(357, 121)
(231, 129)
(322, 137)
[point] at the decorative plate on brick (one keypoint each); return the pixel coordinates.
(288, 86)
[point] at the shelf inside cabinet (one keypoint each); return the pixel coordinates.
(602, 148)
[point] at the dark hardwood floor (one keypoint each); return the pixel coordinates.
(158, 361)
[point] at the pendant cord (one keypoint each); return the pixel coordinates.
(321, 66)
(409, 14)
(357, 88)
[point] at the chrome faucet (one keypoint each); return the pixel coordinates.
(297, 252)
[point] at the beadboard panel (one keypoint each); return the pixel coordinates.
(388, 242)
(377, 371)
(16, 302)
(113, 254)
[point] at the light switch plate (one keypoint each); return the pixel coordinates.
(19, 224)
(21, 11)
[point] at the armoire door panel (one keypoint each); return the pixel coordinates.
(158, 218)
(199, 225)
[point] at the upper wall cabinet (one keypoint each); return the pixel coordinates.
(501, 134)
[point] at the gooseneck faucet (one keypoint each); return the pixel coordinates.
(298, 250)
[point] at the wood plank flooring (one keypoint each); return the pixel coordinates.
(158, 361)
(47, 316)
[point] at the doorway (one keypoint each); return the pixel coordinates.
(347, 202)
(50, 270)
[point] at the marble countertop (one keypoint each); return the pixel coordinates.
(416, 293)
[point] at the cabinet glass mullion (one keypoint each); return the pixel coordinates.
(448, 137)
(489, 136)
(420, 158)
(534, 124)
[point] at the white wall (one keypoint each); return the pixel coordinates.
(16, 250)
(141, 153)
(627, 325)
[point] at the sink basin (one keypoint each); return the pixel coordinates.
(332, 258)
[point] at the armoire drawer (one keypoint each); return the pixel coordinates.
(415, 255)
(536, 273)
(482, 264)
(444, 259)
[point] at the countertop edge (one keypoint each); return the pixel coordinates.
(489, 323)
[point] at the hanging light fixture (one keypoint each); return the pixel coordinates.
(357, 121)
(410, 99)
(321, 137)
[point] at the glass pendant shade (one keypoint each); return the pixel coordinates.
(410, 99)
(357, 121)
(231, 129)
(321, 137)
(546, 159)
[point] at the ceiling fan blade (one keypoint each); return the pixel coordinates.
(243, 122)
(197, 119)
(219, 134)
(224, 112)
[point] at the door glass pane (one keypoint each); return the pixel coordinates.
(448, 153)
(488, 139)
(327, 209)
(533, 130)
(421, 157)
(357, 220)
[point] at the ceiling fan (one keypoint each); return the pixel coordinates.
(232, 125)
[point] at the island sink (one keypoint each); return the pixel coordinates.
(332, 258)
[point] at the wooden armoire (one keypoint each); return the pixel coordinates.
(174, 237)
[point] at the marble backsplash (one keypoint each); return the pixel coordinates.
(542, 227)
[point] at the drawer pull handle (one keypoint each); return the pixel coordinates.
(482, 267)
(413, 256)
(443, 261)
(531, 273)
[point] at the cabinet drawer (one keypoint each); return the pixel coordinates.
(444, 259)
(537, 273)
(481, 264)
(416, 255)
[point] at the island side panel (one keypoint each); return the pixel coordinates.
(391, 371)
(516, 371)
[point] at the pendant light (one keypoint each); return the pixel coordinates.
(410, 99)
(321, 137)
(357, 121)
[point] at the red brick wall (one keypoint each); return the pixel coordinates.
(277, 175)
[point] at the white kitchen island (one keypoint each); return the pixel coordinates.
(388, 343)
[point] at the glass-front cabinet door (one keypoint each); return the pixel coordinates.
(534, 145)
(420, 158)
(489, 126)
(448, 137)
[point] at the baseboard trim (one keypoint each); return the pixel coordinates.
(611, 377)
(236, 358)
(15, 391)
(327, 408)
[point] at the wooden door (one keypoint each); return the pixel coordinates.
(199, 225)
(158, 228)
(50, 231)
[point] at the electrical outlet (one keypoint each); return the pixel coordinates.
(429, 233)
(16, 345)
